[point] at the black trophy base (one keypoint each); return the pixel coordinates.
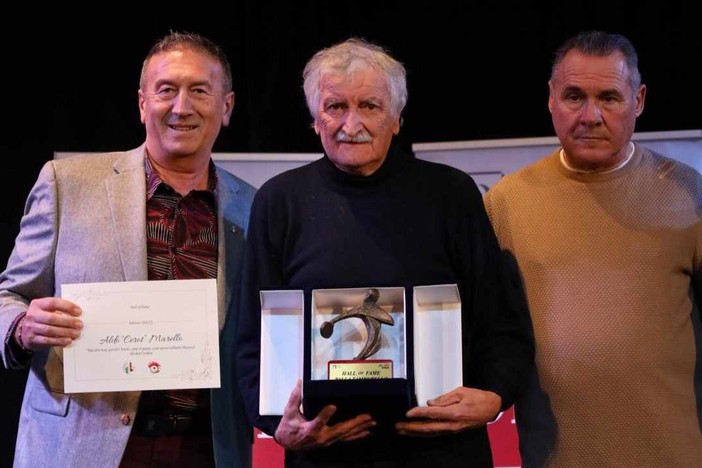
(387, 400)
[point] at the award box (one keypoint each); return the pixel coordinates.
(422, 348)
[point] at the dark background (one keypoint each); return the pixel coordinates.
(476, 70)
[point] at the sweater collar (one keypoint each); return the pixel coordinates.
(394, 162)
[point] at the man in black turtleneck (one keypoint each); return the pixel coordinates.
(368, 214)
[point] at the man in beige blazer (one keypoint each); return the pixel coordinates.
(85, 220)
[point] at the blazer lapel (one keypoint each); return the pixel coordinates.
(126, 192)
(231, 234)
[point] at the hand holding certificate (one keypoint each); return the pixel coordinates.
(145, 335)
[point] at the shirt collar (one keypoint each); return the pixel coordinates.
(153, 180)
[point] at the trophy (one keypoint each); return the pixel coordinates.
(372, 316)
(385, 361)
(356, 357)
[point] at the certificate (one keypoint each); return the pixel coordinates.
(143, 335)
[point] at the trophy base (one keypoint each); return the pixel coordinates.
(386, 399)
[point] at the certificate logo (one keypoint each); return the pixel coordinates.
(127, 367)
(154, 367)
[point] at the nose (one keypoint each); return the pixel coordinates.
(352, 122)
(591, 112)
(182, 103)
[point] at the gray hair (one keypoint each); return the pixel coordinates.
(601, 44)
(346, 58)
(191, 41)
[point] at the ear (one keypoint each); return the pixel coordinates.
(640, 99)
(396, 125)
(550, 96)
(228, 108)
(142, 101)
(316, 127)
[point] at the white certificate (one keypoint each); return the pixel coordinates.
(143, 335)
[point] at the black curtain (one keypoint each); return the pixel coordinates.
(476, 70)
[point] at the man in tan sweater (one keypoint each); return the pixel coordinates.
(608, 237)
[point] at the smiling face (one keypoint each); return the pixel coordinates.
(355, 122)
(594, 109)
(183, 104)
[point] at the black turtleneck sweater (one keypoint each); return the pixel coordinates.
(411, 223)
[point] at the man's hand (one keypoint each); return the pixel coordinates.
(297, 433)
(50, 321)
(460, 409)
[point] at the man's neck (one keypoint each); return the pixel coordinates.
(183, 175)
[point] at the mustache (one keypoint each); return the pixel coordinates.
(361, 137)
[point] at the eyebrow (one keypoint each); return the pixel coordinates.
(163, 81)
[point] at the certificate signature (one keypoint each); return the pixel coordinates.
(143, 335)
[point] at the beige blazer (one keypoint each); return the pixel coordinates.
(85, 221)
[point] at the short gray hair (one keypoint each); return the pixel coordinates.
(191, 41)
(345, 58)
(601, 44)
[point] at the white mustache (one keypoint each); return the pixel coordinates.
(361, 137)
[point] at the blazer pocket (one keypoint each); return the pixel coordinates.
(46, 401)
(46, 393)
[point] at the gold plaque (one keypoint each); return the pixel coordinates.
(360, 369)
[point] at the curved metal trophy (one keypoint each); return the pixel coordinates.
(373, 381)
(372, 315)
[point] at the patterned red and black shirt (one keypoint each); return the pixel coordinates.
(181, 231)
(181, 237)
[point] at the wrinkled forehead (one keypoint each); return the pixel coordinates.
(354, 81)
(577, 67)
(183, 55)
(184, 65)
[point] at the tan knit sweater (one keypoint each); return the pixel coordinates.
(607, 263)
